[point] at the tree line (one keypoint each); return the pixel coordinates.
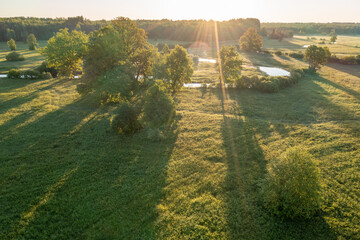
(18, 28)
(314, 28)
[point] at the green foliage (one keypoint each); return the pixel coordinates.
(14, 56)
(251, 41)
(126, 120)
(31, 74)
(291, 187)
(11, 44)
(120, 44)
(14, 73)
(317, 56)
(230, 63)
(46, 76)
(65, 51)
(269, 84)
(32, 42)
(114, 86)
(159, 107)
(179, 68)
(165, 49)
(298, 55)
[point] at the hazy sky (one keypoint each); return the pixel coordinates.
(266, 11)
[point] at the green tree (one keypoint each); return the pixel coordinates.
(65, 51)
(120, 44)
(230, 64)
(333, 37)
(251, 41)
(159, 107)
(179, 68)
(317, 56)
(11, 44)
(32, 42)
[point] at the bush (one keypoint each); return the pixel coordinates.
(45, 68)
(278, 53)
(11, 44)
(14, 56)
(14, 73)
(114, 86)
(159, 107)
(298, 55)
(291, 187)
(31, 74)
(46, 76)
(126, 121)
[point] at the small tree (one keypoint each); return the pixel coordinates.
(65, 51)
(11, 44)
(291, 187)
(333, 37)
(159, 107)
(179, 68)
(230, 64)
(317, 56)
(32, 42)
(251, 41)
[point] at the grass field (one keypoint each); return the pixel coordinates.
(32, 58)
(66, 175)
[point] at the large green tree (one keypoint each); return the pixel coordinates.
(251, 41)
(11, 44)
(65, 51)
(317, 56)
(179, 68)
(230, 63)
(120, 44)
(32, 42)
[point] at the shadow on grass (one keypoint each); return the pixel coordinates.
(259, 59)
(80, 180)
(247, 218)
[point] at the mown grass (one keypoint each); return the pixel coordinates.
(32, 58)
(66, 175)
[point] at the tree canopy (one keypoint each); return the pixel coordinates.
(317, 56)
(179, 68)
(251, 41)
(11, 44)
(230, 64)
(32, 42)
(65, 51)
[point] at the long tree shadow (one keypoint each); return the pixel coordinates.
(68, 173)
(247, 218)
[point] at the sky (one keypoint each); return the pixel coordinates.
(266, 11)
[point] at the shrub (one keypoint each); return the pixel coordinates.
(45, 68)
(278, 53)
(291, 187)
(126, 120)
(11, 44)
(298, 55)
(14, 73)
(296, 74)
(31, 74)
(46, 76)
(14, 56)
(159, 107)
(114, 86)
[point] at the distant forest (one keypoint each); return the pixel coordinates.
(18, 28)
(315, 28)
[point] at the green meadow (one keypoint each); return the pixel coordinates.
(66, 175)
